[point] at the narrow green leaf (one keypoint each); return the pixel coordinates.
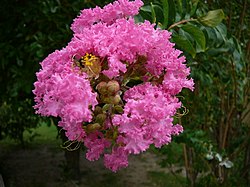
(153, 13)
(158, 13)
(219, 38)
(222, 29)
(194, 7)
(213, 18)
(146, 8)
(165, 13)
(184, 44)
(145, 12)
(179, 5)
(210, 36)
(197, 35)
(172, 12)
(184, 6)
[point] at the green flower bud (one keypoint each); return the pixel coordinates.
(107, 99)
(98, 110)
(100, 118)
(93, 127)
(106, 107)
(118, 109)
(111, 99)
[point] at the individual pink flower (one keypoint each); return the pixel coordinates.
(96, 144)
(74, 130)
(117, 159)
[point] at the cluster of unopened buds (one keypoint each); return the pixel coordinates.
(114, 85)
(110, 98)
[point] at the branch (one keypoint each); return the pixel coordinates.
(181, 22)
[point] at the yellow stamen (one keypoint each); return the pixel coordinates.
(88, 59)
(88, 63)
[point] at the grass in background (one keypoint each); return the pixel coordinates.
(161, 179)
(42, 135)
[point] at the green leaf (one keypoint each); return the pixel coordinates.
(153, 13)
(165, 13)
(184, 44)
(194, 7)
(138, 18)
(197, 35)
(223, 30)
(144, 16)
(146, 8)
(179, 5)
(171, 12)
(210, 36)
(185, 7)
(213, 18)
(145, 13)
(219, 38)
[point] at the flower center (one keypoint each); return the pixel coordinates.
(88, 59)
(88, 63)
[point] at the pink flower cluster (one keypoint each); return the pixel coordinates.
(125, 51)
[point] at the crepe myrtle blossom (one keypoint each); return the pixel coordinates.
(114, 85)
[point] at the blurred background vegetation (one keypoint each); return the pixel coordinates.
(214, 36)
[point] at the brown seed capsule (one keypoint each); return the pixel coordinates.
(113, 87)
(116, 99)
(102, 88)
(93, 127)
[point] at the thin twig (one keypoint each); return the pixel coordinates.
(181, 22)
(242, 16)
